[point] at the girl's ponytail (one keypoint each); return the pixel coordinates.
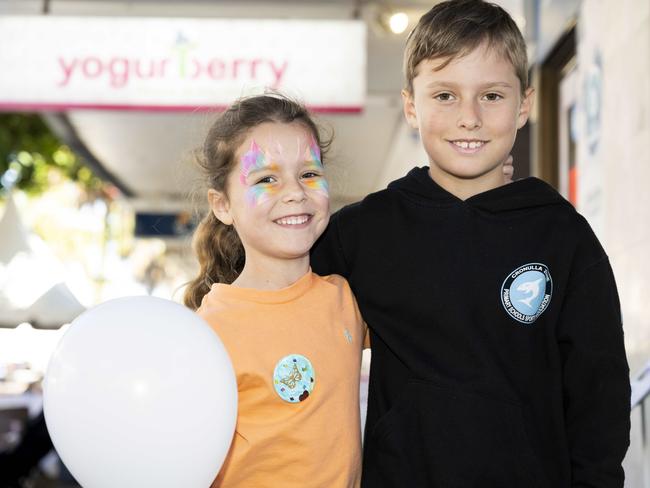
(221, 258)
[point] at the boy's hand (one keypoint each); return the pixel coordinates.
(508, 170)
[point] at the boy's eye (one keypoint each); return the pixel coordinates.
(311, 174)
(444, 97)
(492, 97)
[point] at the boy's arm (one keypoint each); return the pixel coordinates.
(329, 254)
(595, 377)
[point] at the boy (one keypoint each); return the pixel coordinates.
(497, 346)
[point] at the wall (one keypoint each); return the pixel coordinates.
(614, 166)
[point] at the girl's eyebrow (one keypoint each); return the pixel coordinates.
(266, 167)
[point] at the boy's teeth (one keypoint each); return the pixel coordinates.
(293, 220)
(468, 145)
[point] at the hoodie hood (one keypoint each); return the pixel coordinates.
(521, 194)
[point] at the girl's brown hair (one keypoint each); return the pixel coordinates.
(217, 246)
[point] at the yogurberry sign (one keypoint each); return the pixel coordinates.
(178, 64)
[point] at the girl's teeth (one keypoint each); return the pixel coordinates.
(292, 220)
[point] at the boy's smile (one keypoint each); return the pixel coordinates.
(468, 114)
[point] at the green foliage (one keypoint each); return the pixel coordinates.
(30, 152)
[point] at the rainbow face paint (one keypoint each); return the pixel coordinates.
(312, 153)
(252, 160)
(255, 160)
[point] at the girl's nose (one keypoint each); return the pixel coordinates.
(469, 116)
(294, 192)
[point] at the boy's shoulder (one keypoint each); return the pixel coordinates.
(378, 200)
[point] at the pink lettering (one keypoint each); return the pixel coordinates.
(92, 67)
(67, 70)
(140, 67)
(196, 65)
(254, 64)
(278, 72)
(235, 66)
(119, 71)
(216, 69)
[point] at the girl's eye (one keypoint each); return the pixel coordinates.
(492, 97)
(311, 174)
(444, 97)
(266, 180)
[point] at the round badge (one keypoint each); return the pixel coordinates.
(527, 291)
(294, 378)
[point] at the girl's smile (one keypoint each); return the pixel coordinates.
(294, 221)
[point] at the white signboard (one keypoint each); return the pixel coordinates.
(178, 64)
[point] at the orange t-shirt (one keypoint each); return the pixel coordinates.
(297, 357)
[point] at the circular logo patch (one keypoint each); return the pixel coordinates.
(293, 378)
(526, 292)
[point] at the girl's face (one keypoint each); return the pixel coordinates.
(277, 195)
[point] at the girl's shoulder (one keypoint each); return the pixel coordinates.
(337, 289)
(334, 280)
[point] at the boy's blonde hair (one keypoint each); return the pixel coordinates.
(455, 28)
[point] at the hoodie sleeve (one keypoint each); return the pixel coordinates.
(595, 372)
(330, 254)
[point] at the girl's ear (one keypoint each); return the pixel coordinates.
(220, 206)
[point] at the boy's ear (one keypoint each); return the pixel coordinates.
(525, 107)
(409, 109)
(220, 206)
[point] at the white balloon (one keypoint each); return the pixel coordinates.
(140, 392)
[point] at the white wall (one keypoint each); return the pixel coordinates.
(619, 31)
(622, 35)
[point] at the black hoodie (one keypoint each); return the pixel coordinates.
(497, 346)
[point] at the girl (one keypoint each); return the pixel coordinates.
(295, 338)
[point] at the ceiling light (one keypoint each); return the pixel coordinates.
(398, 22)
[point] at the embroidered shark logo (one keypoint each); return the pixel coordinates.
(531, 287)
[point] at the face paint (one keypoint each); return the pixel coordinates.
(314, 150)
(313, 154)
(253, 160)
(257, 159)
(260, 193)
(318, 184)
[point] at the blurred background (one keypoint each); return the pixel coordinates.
(102, 103)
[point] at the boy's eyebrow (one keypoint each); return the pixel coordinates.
(450, 84)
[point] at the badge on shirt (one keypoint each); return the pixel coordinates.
(527, 291)
(294, 378)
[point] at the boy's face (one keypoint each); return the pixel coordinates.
(468, 114)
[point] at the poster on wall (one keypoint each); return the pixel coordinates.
(590, 165)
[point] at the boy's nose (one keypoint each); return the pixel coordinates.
(469, 116)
